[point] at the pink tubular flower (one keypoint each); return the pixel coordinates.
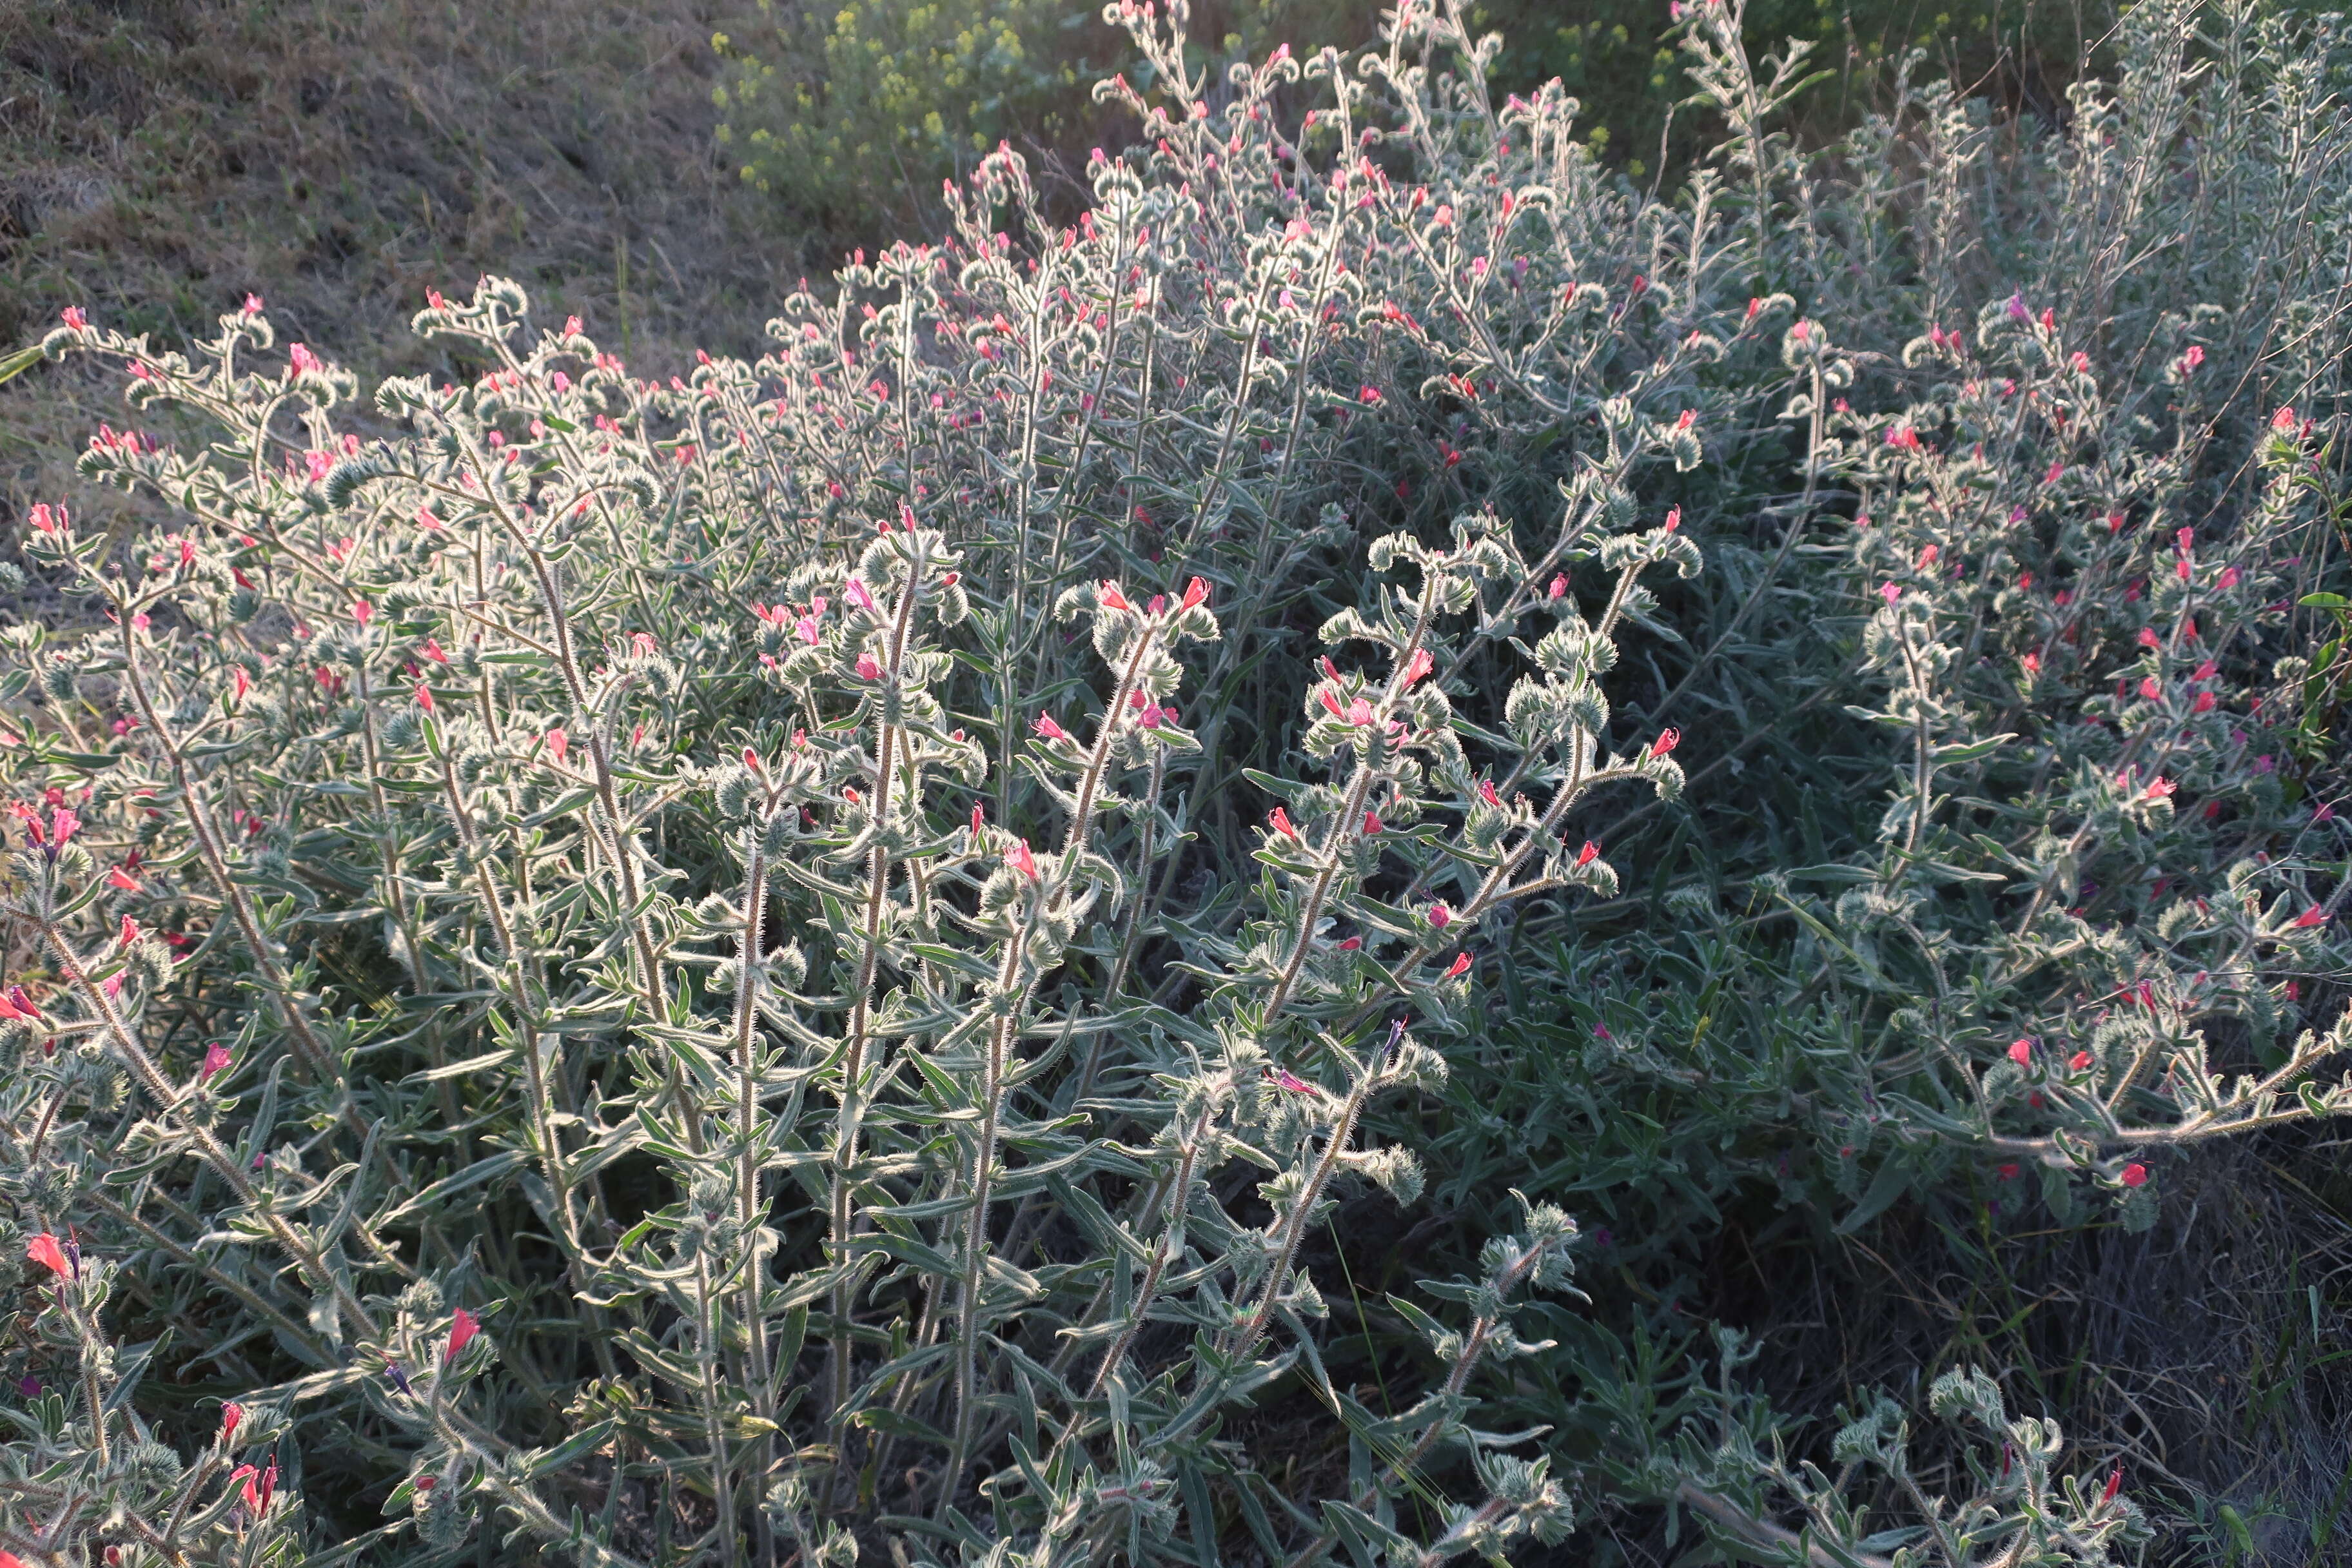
(215, 1062)
(1459, 967)
(231, 1413)
(45, 1252)
(1584, 857)
(2133, 1175)
(1668, 739)
(1440, 916)
(16, 1005)
(868, 669)
(558, 743)
(1488, 794)
(2080, 1061)
(424, 696)
(463, 1327)
(1196, 594)
(1046, 728)
(1418, 667)
(1373, 827)
(2160, 788)
(1280, 819)
(1889, 592)
(1021, 859)
(1558, 586)
(2313, 916)
(119, 878)
(1107, 595)
(300, 357)
(72, 317)
(1292, 1081)
(2022, 1052)
(855, 591)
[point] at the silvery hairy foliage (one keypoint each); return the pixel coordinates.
(795, 962)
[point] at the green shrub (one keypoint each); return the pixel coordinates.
(793, 963)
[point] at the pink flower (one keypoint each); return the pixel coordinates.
(1889, 592)
(1021, 859)
(2132, 1176)
(1558, 586)
(1281, 821)
(119, 878)
(216, 1060)
(362, 612)
(433, 651)
(2311, 917)
(2149, 688)
(303, 361)
(867, 668)
(1196, 594)
(423, 697)
(558, 743)
(2080, 1061)
(1674, 519)
(2022, 1052)
(45, 1252)
(232, 1412)
(1418, 667)
(1046, 728)
(857, 594)
(1440, 916)
(1373, 827)
(1584, 857)
(1107, 595)
(463, 1327)
(1292, 1081)
(72, 317)
(1460, 966)
(1486, 793)
(2160, 788)
(1668, 739)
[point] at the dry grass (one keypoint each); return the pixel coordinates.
(160, 158)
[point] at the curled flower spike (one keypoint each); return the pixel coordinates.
(45, 1252)
(463, 1327)
(1668, 739)
(215, 1062)
(1047, 730)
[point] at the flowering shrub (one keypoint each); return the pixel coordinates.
(792, 961)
